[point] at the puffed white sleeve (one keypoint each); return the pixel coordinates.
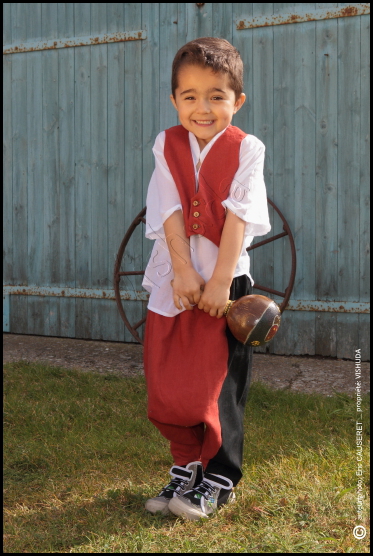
(247, 196)
(163, 197)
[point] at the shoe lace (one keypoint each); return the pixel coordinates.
(176, 484)
(205, 488)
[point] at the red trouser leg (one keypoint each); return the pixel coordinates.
(185, 442)
(185, 362)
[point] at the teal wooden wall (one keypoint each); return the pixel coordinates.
(79, 126)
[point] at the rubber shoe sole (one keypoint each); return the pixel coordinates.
(187, 510)
(154, 505)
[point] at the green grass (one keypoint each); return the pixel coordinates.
(81, 458)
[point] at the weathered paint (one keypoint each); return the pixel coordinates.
(329, 306)
(80, 123)
(301, 17)
(78, 41)
(85, 293)
(326, 165)
(131, 295)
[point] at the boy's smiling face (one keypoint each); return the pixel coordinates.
(205, 102)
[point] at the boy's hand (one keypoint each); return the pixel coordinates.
(214, 298)
(187, 288)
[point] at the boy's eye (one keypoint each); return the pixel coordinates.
(212, 98)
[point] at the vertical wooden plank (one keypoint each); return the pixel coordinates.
(182, 25)
(35, 170)
(35, 175)
(364, 337)
(7, 154)
(34, 26)
(199, 20)
(222, 21)
(348, 178)
(364, 185)
(133, 153)
(326, 334)
(347, 335)
(151, 124)
(116, 161)
(7, 23)
(65, 20)
(243, 41)
(150, 83)
(98, 19)
(99, 162)
(66, 105)
(18, 317)
(168, 46)
(83, 192)
(364, 330)
(304, 174)
(326, 246)
(49, 324)
(19, 27)
(283, 164)
(36, 313)
(262, 106)
(6, 312)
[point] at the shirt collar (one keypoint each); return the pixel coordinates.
(197, 154)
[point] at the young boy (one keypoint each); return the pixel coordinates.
(206, 201)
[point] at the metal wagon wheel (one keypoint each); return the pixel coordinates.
(120, 273)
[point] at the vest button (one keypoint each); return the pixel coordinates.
(196, 214)
(195, 203)
(195, 226)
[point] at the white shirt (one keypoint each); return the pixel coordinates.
(247, 199)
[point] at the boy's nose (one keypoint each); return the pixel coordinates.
(203, 107)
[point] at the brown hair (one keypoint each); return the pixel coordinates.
(214, 53)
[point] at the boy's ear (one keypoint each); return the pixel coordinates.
(239, 102)
(173, 101)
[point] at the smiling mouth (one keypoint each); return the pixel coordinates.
(203, 122)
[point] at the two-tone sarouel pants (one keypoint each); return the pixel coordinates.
(198, 378)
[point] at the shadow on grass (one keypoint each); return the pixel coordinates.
(117, 513)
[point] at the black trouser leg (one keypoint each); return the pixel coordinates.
(232, 399)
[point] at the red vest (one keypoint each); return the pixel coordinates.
(203, 212)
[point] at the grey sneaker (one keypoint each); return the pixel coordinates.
(183, 479)
(204, 499)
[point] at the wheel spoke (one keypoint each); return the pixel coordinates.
(269, 290)
(135, 326)
(265, 241)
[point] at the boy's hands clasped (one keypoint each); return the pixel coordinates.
(214, 298)
(190, 288)
(187, 288)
